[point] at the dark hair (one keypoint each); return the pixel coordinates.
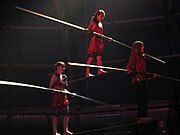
(58, 63)
(136, 48)
(94, 18)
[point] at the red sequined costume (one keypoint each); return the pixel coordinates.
(136, 65)
(96, 45)
(58, 99)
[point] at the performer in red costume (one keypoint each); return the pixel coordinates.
(136, 67)
(59, 103)
(96, 45)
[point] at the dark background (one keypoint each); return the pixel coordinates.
(30, 45)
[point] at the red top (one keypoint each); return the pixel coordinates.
(96, 45)
(58, 99)
(136, 64)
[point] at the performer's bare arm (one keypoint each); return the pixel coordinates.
(90, 26)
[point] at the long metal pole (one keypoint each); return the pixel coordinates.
(83, 29)
(95, 66)
(50, 89)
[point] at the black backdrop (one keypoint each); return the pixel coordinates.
(30, 45)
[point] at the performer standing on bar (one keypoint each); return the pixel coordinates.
(59, 103)
(96, 45)
(136, 67)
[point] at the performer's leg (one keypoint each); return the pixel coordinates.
(89, 61)
(54, 124)
(141, 97)
(99, 63)
(66, 122)
(65, 126)
(142, 104)
(143, 100)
